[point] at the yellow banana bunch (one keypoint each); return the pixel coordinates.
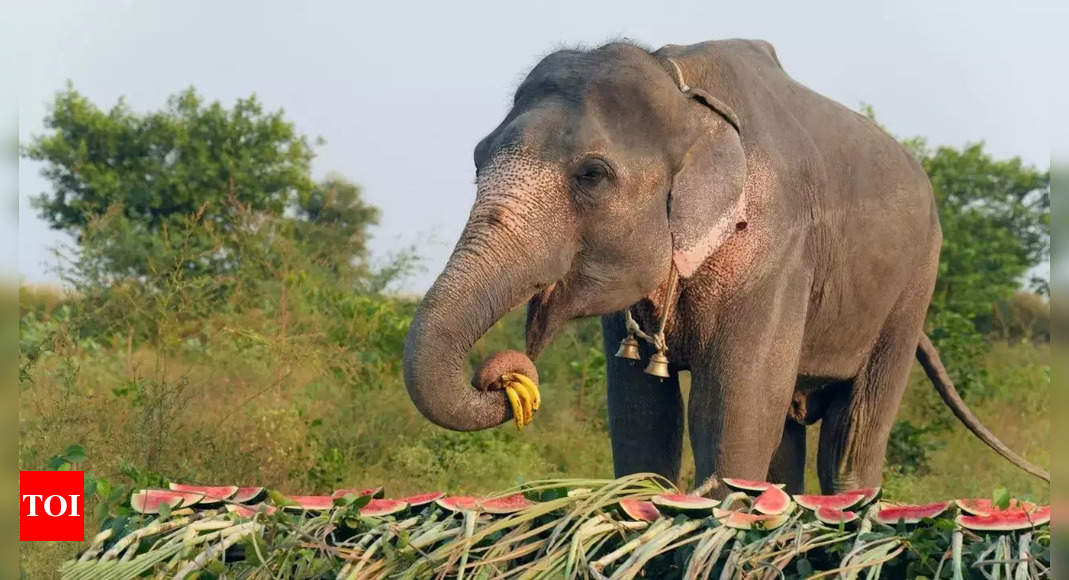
(523, 395)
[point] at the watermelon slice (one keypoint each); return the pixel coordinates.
(310, 502)
(506, 505)
(247, 495)
(458, 503)
(246, 511)
(986, 507)
(148, 501)
(213, 494)
(383, 507)
(773, 501)
(643, 511)
(744, 521)
(869, 495)
(835, 516)
(1006, 521)
(909, 514)
(422, 499)
(685, 503)
(749, 484)
(374, 492)
(842, 501)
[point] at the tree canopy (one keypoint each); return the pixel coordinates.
(150, 172)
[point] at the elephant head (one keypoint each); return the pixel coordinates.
(607, 169)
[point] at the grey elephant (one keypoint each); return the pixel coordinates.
(779, 246)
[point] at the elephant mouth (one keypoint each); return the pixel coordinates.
(542, 319)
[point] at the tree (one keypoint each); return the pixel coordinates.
(161, 167)
(995, 216)
(332, 226)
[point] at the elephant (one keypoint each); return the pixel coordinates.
(786, 246)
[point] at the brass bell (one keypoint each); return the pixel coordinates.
(629, 349)
(658, 366)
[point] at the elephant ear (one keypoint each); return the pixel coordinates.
(706, 203)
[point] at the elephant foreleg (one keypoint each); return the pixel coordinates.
(788, 464)
(645, 412)
(741, 393)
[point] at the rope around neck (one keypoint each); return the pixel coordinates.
(656, 339)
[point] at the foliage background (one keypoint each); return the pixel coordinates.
(221, 322)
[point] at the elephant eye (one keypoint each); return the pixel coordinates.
(591, 173)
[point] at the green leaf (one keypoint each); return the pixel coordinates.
(75, 454)
(1001, 498)
(165, 511)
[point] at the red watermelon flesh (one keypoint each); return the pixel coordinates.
(744, 521)
(1006, 521)
(869, 494)
(247, 495)
(506, 505)
(458, 503)
(835, 516)
(643, 511)
(372, 491)
(748, 484)
(840, 501)
(422, 498)
(909, 514)
(773, 501)
(148, 501)
(986, 507)
(383, 507)
(310, 502)
(212, 493)
(246, 511)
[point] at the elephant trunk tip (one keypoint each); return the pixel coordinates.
(501, 363)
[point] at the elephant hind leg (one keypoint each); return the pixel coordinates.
(859, 416)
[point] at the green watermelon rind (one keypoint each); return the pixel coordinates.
(684, 503)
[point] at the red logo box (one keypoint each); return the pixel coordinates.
(51, 506)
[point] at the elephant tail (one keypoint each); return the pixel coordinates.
(937, 373)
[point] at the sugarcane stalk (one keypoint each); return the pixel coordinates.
(229, 537)
(634, 564)
(956, 541)
(599, 565)
(96, 546)
(136, 535)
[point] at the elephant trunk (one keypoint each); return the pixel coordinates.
(497, 265)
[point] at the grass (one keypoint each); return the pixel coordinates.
(223, 403)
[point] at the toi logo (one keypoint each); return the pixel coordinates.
(51, 506)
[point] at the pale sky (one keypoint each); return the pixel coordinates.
(403, 91)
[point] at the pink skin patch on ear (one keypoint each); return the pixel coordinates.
(689, 259)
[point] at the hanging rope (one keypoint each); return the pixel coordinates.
(657, 339)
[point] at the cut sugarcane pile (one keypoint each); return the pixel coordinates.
(625, 528)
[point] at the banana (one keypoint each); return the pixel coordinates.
(517, 407)
(532, 389)
(525, 400)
